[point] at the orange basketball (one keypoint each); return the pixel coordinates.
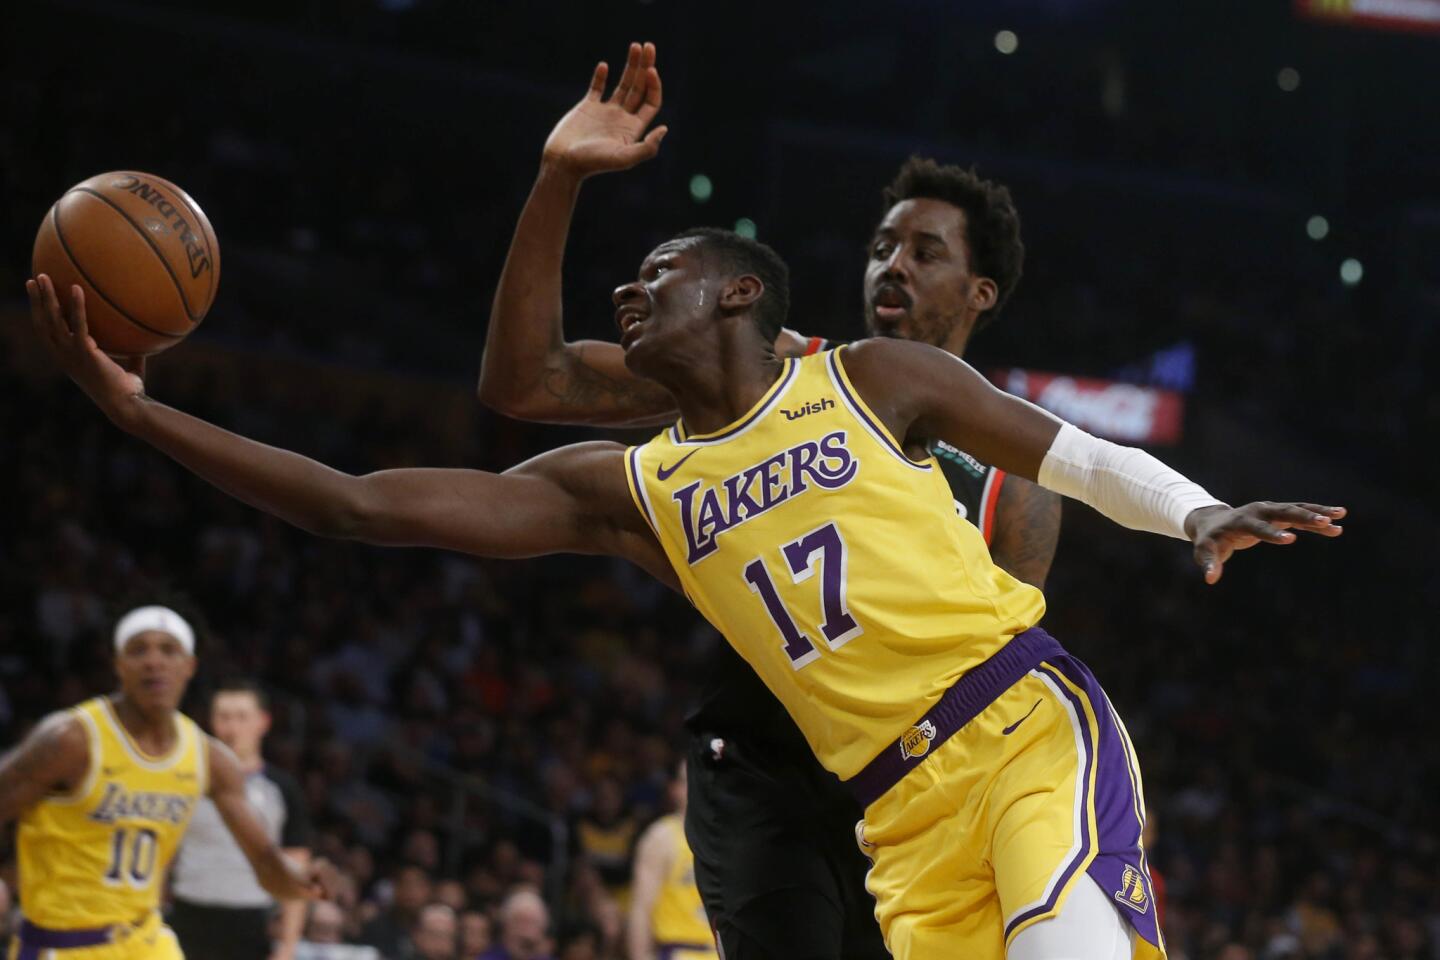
(143, 252)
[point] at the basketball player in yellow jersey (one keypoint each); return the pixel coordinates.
(1002, 799)
(667, 919)
(103, 793)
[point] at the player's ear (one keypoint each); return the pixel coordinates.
(741, 292)
(983, 294)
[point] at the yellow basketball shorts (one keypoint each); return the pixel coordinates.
(988, 833)
(150, 939)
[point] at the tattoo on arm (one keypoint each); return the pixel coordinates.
(1027, 529)
(590, 392)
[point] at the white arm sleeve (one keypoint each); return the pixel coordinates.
(1127, 485)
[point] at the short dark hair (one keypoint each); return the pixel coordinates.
(243, 685)
(741, 255)
(992, 224)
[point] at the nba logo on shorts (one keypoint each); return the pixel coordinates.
(916, 741)
(1132, 891)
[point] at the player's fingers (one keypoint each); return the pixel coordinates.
(1208, 560)
(1250, 526)
(597, 81)
(636, 71)
(45, 325)
(652, 140)
(1334, 513)
(621, 93)
(653, 96)
(79, 323)
(55, 317)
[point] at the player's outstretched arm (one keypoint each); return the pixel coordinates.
(920, 391)
(528, 369)
(282, 878)
(53, 758)
(572, 500)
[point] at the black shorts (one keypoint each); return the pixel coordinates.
(775, 857)
(221, 933)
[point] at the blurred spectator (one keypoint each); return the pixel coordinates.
(606, 835)
(475, 936)
(436, 935)
(524, 929)
(326, 923)
(389, 932)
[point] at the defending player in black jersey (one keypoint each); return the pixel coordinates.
(779, 878)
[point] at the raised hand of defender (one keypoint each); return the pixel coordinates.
(602, 134)
(64, 332)
(1219, 531)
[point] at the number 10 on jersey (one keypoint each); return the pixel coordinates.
(825, 547)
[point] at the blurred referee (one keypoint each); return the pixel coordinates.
(220, 912)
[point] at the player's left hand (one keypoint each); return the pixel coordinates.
(1219, 531)
(112, 384)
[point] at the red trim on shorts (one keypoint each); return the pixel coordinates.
(813, 345)
(992, 501)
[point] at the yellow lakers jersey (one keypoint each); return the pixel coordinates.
(830, 560)
(98, 855)
(678, 915)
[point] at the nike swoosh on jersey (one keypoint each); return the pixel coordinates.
(663, 473)
(1014, 726)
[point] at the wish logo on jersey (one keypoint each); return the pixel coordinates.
(117, 803)
(708, 511)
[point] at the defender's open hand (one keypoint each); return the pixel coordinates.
(602, 134)
(111, 384)
(1219, 531)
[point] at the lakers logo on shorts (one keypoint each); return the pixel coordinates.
(915, 742)
(1132, 891)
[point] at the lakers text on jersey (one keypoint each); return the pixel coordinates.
(793, 532)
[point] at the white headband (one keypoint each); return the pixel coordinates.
(154, 618)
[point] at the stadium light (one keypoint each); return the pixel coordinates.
(745, 227)
(701, 188)
(1007, 42)
(1317, 227)
(1288, 79)
(1351, 271)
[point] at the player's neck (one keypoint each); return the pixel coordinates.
(959, 337)
(714, 395)
(154, 731)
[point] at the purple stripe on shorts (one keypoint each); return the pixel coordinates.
(1086, 841)
(666, 951)
(1119, 865)
(974, 691)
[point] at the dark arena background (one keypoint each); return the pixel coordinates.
(1231, 214)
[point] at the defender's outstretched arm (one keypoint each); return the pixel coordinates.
(529, 370)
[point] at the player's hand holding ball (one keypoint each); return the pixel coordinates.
(63, 329)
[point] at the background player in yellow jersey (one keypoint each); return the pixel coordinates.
(667, 920)
(103, 793)
(784, 503)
